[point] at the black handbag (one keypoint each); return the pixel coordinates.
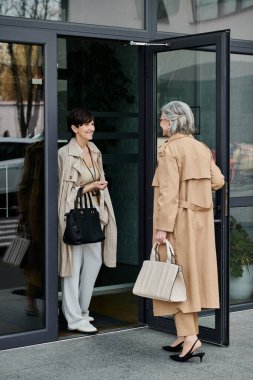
(82, 223)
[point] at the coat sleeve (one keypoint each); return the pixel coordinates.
(60, 177)
(105, 193)
(101, 166)
(217, 179)
(168, 191)
(59, 169)
(67, 183)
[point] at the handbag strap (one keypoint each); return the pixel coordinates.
(79, 199)
(85, 200)
(21, 229)
(169, 250)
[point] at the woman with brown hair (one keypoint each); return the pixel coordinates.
(80, 165)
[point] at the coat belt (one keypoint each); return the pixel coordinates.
(193, 207)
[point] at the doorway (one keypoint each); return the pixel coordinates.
(117, 83)
(102, 76)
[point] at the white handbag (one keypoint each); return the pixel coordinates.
(17, 249)
(161, 280)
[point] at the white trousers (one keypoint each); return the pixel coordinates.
(77, 290)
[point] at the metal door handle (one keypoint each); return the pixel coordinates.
(217, 220)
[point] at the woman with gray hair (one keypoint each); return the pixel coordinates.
(183, 213)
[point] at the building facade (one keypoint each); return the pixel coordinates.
(123, 60)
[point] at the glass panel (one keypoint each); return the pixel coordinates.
(21, 186)
(119, 13)
(118, 175)
(113, 98)
(190, 76)
(200, 16)
(241, 148)
(36, 9)
(241, 255)
(207, 319)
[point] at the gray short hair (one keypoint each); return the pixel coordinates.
(180, 116)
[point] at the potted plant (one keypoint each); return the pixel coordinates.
(241, 261)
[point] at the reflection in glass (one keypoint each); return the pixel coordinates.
(31, 215)
(241, 148)
(21, 88)
(207, 319)
(119, 13)
(22, 185)
(189, 76)
(241, 254)
(200, 16)
(36, 9)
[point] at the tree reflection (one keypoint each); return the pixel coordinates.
(20, 67)
(38, 9)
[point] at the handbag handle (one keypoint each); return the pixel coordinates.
(169, 249)
(80, 196)
(85, 200)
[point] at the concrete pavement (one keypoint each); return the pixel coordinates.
(131, 354)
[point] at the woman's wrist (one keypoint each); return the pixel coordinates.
(88, 188)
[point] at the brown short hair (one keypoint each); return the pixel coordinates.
(77, 117)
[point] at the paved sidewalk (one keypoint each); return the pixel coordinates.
(131, 354)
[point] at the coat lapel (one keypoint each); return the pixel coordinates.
(76, 151)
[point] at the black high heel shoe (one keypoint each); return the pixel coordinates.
(188, 355)
(176, 348)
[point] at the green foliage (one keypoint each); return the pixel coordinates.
(241, 248)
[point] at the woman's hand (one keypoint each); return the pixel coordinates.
(96, 185)
(160, 237)
(99, 185)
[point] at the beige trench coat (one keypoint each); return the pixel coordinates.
(70, 167)
(184, 179)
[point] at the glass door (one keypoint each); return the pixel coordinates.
(27, 207)
(195, 69)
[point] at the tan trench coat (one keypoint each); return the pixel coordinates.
(184, 179)
(70, 167)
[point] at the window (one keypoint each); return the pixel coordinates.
(204, 10)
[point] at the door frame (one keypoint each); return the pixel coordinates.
(221, 40)
(49, 42)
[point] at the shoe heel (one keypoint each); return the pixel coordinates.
(199, 354)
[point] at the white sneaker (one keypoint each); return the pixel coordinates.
(86, 327)
(90, 319)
